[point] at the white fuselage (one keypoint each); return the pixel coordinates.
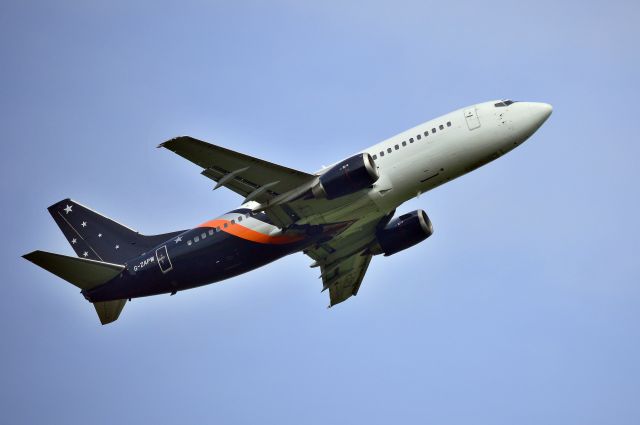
(439, 150)
(435, 152)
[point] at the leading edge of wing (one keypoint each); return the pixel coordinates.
(181, 144)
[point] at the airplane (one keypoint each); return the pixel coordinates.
(340, 216)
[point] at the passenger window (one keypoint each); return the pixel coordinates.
(397, 147)
(418, 137)
(441, 127)
(189, 242)
(375, 157)
(225, 225)
(426, 133)
(233, 222)
(210, 232)
(382, 153)
(405, 143)
(203, 236)
(196, 239)
(448, 123)
(433, 130)
(388, 150)
(239, 219)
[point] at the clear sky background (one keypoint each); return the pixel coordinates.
(523, 308)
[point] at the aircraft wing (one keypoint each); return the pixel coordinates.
(253, 178)
(346, 279)
(344, 260)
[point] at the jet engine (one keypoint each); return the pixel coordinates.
(404, 232)
(346, 177)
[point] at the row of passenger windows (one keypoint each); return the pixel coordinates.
(411, 140)
(210, 232)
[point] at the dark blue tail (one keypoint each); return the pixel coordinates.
(96, 237)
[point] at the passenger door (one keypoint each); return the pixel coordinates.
(471, 116)
(162, 257)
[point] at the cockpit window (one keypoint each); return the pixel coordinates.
(502, 103)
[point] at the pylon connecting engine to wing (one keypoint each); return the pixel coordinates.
(346, 177)
(403, 232)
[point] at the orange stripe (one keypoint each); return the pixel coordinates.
(249, 234)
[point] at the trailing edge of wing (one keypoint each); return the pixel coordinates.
(347, 278)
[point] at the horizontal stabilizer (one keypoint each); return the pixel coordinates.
(108, 311)
(83, 273)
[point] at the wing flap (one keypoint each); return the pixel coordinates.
(344, 260)
(347, 278)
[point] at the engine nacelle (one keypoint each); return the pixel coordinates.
(404, 232)
(346, 177)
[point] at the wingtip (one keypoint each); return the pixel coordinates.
(175, 139)
(31, 255)
(167, 143)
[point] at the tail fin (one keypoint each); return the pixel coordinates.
(85, 274)
(96, 237)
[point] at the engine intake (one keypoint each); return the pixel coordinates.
(404, 232)
(346, 177)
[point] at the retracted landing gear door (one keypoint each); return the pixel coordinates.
(162, 256)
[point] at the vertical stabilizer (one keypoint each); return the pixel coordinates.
(96, 237)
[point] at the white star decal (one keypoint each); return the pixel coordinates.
(117, 246)
(179, 239)
(84, 224)
(67, 209)
(99, 235)
(84, 254)
(73, 241)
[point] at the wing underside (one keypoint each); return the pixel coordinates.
(344, 280)
(343, 260)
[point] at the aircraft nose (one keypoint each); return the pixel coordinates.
(539, 112)
(531, 116)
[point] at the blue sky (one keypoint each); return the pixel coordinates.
(522, 308)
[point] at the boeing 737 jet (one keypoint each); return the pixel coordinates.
(340, 216)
